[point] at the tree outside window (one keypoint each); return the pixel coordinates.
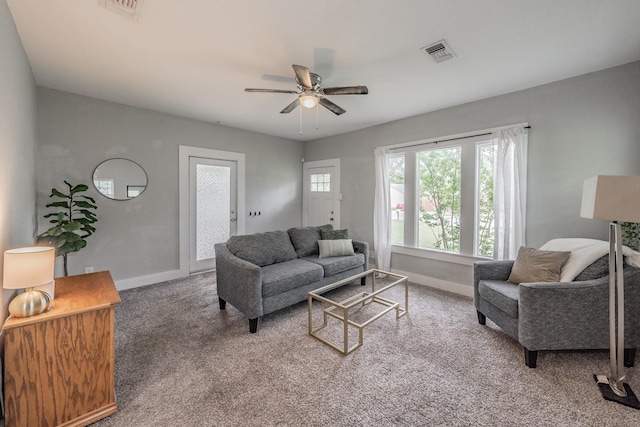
(439, 199)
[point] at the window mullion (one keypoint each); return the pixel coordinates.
(467, 202)
(410, 199)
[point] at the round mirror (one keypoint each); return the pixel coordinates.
(120, 179)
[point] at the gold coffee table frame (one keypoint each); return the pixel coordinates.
(340, 310)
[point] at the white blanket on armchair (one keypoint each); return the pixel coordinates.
(583, 253)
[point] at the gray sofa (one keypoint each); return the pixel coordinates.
(556, 315)
(264, 272)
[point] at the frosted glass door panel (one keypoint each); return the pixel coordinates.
(213, 210)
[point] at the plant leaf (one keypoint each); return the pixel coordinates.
(82, 204)
(57, 193)
(79, 188)
(55, 231)
(58, 205)
(71, 226)
(89, 198)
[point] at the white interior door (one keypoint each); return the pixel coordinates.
(321, 204)
(212, 207)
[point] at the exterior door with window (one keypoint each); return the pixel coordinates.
(213, 208)
(321, 203)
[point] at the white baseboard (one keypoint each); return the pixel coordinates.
(456, 288)
(150, 279)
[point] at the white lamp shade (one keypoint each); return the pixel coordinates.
(28, 267)
(614, 198)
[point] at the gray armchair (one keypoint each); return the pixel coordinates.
(555, 316)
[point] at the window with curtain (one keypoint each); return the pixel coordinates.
(442, 194)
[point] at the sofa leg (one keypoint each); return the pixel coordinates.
(629, 357)
(530, 358)
(482, 319)
(253, 325)
(363, 281)
(222, 303)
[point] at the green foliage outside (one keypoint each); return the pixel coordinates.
(631, 235)
(72, 221)
(439, 177)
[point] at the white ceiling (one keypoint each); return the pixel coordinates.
(193, 58)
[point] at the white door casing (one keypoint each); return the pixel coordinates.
(321, 193)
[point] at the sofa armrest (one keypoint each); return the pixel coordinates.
(489, 270)
(362, 248)
(239, 282)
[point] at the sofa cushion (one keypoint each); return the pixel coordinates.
(263, 248)
(284, 276)
(503, 295)
(305, 239)
(335, 265)
(533, 265)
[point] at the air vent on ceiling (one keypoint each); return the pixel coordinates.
(439, 51)
(128, 8)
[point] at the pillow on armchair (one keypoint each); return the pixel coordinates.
(533, 265)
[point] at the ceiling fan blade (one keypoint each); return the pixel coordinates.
(289, 108)
(269, 90)
(346, 90)
(302, 73)
(332, 107)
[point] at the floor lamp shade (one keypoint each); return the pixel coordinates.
(25, 268)
(614, 198)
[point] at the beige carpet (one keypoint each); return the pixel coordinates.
(181, 361)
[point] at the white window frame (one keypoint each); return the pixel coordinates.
(468, 206)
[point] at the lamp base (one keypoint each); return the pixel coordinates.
(629, 400)
(29, 303)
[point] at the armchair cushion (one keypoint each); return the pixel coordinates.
(503, 295)
(533, 265)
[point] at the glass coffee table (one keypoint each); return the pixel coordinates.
(341, 309)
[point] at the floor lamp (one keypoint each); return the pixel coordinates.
(617, 199)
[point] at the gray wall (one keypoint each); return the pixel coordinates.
(140, 237)
(17, 145)
(581, 127)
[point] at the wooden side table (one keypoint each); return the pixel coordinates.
(59, 365)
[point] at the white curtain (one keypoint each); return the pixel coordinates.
(382, 210)
(509, 191)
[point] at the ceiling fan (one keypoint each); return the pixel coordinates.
(311, 94)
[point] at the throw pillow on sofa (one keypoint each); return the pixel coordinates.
(331, 248)
(334, 234)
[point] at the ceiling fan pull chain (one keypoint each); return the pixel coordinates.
(317, 127)
(300, 115)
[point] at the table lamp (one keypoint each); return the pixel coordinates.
(617, 199)
(25, 268)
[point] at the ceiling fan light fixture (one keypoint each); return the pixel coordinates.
(308, 100)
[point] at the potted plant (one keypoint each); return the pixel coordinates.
(72, 221)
